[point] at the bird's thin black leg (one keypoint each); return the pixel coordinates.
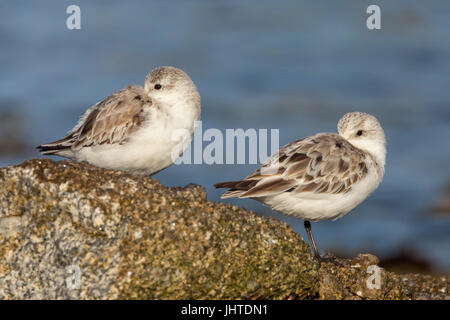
(311, 239)
(314, 247)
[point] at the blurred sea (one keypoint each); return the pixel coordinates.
(296, 66)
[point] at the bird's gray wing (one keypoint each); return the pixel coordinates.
(110, 121)
(324, 163)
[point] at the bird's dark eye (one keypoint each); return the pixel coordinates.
(359, 133)
(157, 86)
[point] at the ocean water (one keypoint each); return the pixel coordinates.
(296, 66)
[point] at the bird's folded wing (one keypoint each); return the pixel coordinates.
(108, 122)
(113, 119)
(324, 163)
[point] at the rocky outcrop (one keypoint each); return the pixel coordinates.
(73, 231)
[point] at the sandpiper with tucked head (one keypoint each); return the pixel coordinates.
(133, 129)
(321, 177)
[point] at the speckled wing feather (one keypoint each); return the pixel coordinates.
(323, 163)
(108, 122)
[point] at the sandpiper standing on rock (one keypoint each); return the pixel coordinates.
(134, 128)
(321, 177)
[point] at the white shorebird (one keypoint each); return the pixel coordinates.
(135, 129)
(321, 177)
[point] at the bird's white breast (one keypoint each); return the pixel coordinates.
(149, 149)
(326, 206)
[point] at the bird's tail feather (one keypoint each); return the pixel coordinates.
(229, 184)
(56, 146)
(237, 188)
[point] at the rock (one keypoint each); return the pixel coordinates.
(131, 237)
(362, 278)
(358, 278)
(128, 237)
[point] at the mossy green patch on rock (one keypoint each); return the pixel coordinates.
(210, 251)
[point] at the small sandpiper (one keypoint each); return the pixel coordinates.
(321, 177)
(135, 129)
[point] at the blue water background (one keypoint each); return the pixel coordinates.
(296, 66)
